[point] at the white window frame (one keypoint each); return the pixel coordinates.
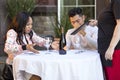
(60, 5)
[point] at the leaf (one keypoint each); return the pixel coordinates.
(15, 6)
(63, 23)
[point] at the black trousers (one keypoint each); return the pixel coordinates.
(7, 73)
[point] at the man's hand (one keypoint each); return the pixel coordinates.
(82, 32)
(93, 22)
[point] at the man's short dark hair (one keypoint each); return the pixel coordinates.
(75, 11)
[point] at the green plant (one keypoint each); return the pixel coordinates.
(15, 6)
(64, 22)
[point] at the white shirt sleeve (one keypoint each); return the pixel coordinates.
(92, 35)
(37, 39)
(68, 38)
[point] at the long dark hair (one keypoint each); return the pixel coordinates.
(18, 24)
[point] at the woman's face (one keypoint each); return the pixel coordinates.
(28, 27)
(77, 20)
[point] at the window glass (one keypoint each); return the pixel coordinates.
(69, 2)
(79, 2)
(88, 7)
(87, 11)
(86, 2)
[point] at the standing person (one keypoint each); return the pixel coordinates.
(109, 39)
(88, 35)
(21, 38)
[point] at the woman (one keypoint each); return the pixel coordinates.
(21, 38)
(109, 39)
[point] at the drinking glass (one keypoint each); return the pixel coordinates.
(48, 42)
(76, 42)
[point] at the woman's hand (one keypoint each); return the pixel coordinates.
(30, 47)
(109, 54)
(11, 56)
(55, 45)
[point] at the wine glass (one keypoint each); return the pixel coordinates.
(76, 42)
(48, 42)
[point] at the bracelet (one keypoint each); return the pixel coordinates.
(24, 47)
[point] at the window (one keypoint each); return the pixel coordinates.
(88, 6)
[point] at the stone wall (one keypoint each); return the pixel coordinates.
(43, 25)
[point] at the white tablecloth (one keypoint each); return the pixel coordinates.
(82, 66)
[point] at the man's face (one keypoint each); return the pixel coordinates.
(77, 20)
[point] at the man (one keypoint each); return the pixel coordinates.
(87, 35)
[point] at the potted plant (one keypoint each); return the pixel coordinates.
(15, 6)
(64, 22)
